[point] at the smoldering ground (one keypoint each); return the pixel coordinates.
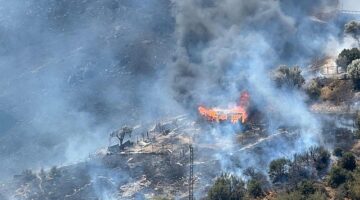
(73, 70)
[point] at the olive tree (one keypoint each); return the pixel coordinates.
(227, 186)
(352, 28)
(288, 77)
(353, 71)
(279, 170)
(346, 56)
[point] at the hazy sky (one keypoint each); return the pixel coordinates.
(353, 5)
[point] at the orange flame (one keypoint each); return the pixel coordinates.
(235, 114)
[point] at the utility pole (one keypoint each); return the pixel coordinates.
(191, 175)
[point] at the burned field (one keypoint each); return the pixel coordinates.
(155, 161)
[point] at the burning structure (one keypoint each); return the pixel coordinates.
(236, 114)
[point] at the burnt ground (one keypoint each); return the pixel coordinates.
(158, 162)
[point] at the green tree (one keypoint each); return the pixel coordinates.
(353, 71)
(289, 77)
(346, 56)
(353, 28)
(313, 90)
(227, 187)
(337, 176)
(279, 170)
(348, 161)
(321, 157)
(254, 188)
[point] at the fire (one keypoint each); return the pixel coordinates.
(234, 115)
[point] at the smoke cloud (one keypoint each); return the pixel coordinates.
(224, 47)
(71, 71)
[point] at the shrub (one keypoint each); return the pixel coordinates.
(337, 177)
(279, 170)
(357, 134)
(313, 90)
(354, 186)
(227, 187)
(338, 152)
(288, 77)
(317, 196)
(348, 161)
(296, 195)
(254, 188)
(306, 188)
(321, 157)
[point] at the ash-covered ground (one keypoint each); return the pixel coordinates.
(154, 161)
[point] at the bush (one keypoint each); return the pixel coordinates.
(317, 196)
(348, 161)
(353, 71)
(257, 176)
(357, 134)
(289, 77)
(296, 195)
(306, 188)
(313, 90)
(254, 188)
(337, 177)
(341, 192)
(321, 157)
(303, 191)
(279, 170)
(347, 56)
(338, 152)
(227, 187)
(354, 186)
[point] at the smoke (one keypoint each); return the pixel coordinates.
(224, 47)
(69, 72)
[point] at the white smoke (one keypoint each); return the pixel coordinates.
(224, 47)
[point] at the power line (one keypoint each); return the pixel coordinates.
(191, 175)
